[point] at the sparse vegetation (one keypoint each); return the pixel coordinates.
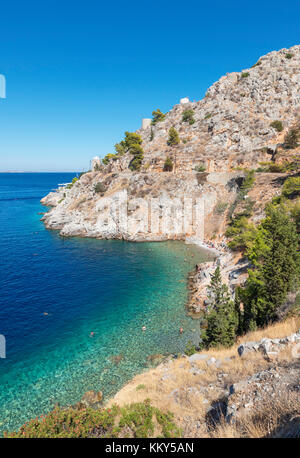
(100, 187)
(245, 74)
(289, 55)
(188, 116)
(207, 116)
(70, 185)
(277, 125)
(221, 207)
(168, 165)
(291, 140)
(257, 64)
(200, 168)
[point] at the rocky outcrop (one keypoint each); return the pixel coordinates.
(141, 206)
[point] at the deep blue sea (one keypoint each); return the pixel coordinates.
(55, 291)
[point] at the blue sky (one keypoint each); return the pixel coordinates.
(81, 73)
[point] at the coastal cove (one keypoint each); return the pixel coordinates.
(55, 291)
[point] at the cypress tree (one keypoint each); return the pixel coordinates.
(221, 319)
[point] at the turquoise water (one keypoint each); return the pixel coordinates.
(56, 291)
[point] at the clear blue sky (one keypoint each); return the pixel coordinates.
(81, 73)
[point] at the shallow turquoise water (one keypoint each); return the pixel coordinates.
(112, 288)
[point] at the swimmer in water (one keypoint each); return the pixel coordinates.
(92, 334)
(180, 330)
(144, 328)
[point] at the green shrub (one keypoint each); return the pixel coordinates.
(190, 349)
(207, 116)
(157, 116)
(277, 125)
(69, 186)
(289, 55)
(151, 135)
(221, 207)
(141, 387)
(245, 74)
(291, 140)
(188, 116)
(200, 168)
(136, 420)
(291, 187)
(100, 187)
(257, 64)
(106, 160)
(168, 165)
(173, 137)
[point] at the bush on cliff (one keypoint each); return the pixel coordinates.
(134, 420)
(69, 186)
(173, 137)
(291, 140)
(188, 116)
(100, 187)
(168, 165)
(291, 187)
(277, 125)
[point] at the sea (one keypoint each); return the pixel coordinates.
(72, 309)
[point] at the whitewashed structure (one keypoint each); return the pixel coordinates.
(146, 122)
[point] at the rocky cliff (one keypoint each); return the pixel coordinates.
(233, 127)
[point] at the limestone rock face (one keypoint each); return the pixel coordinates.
(231, 129)
(139, 206)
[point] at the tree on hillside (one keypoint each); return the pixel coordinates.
(275, 255)
(222, 317)
(131, 144)
(291, 140)
(173, 137)
(157, 116)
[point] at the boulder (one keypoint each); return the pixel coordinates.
(91, 398)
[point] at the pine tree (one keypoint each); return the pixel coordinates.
(277, 268)
(131, 144)
(157, 116)
(221, 319)
(173, 137)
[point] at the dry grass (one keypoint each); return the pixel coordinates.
(268, 420)
(191, 390)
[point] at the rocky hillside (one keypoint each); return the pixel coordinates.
(242, 121)
(249, 390)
